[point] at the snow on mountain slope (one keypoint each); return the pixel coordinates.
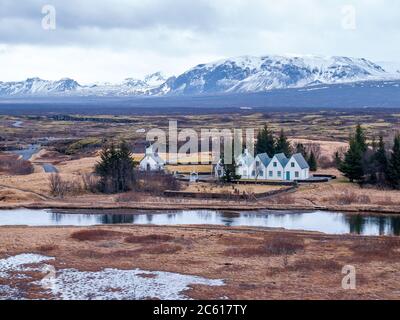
(234, 75)
(36, 86)
(253, 74)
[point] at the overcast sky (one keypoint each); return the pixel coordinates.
(109, 40)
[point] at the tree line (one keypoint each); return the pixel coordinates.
(270, 144)
(372, 163)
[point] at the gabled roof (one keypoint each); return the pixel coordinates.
(264, 158)
(301, 161)
(282, 159)
(246, 157)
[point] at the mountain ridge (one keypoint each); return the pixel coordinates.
(243, 74)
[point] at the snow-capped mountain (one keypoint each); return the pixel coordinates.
(37, 86)
(129, 87)
(235, 75)
(255, 74)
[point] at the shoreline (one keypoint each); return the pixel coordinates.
(217, 207)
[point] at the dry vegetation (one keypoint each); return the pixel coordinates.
(255, 264)
(13, 165)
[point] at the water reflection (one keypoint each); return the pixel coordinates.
(326, 222)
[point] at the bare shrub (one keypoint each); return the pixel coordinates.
(376, 248)
(57, 185)
(13, 165)
(60, 187)
(90, 183)
(314, 148)
(152, 238)
(349, 197)
(284, 199)
(326, 162)
(284, 244)
(278, 245)
(157, 182)
(95, 235)
(47, 248)
(129, 197)
(387, 201)
(316, 265)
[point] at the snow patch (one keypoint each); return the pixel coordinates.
(107, 284)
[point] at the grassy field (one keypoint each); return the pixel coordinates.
(254, 264)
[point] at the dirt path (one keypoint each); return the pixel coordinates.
(41, 196)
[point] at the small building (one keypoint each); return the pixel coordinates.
(151, 161)
(244, 163)
(276, 167)
(262, 167)
(297, 168)
(259, 166)
(194, 177)
(219, 170)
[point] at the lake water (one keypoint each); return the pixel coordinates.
(326, 222)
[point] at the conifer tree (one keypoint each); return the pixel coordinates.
(116, 169)
(380, 160)
(312, 161)
(283, 145)
(393, 172)
(352, 166)
(265, 142)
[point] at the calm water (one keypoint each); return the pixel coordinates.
(326, 222)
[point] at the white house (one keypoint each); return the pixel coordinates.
(259, 166)
(244, 164)
(262, 167)
(276, 167)
(297, 168)
(151, 161)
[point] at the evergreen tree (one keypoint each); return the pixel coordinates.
(300, 148)
(283, 145)
(361, 139)
(352, 166)
(393, 172)
(229, 171)
(116, 169)
(337, 159)
(312, 162)
(380, 160)
(265, 142)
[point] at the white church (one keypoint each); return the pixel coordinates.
(262, 167)
(152, 161)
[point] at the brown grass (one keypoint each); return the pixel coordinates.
(13, 165)
(149, 239)
(95, 235)
(47, 248)
(382, 249)
(315, 265)
(277, 245)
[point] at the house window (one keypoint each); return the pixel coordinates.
(261, 173)
(271, 173)
(257, 163)
(253, 173)
(297, 174)
(279, 174)
(292, 164)
(275, 164)
(219, 172)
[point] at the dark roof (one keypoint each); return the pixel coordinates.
(282, 159)
(264, 158)
(301, 161)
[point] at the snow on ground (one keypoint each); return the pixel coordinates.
(110, 284)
